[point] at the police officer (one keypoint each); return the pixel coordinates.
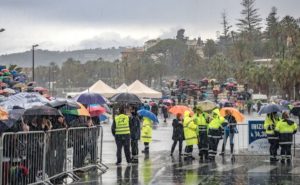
(146, 134)
(200, 120)
(121, 131)
(285, 129)
(135, 132)
(214, 133)
(269, 126)
(190, 135)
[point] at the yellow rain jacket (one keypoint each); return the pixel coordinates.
(269, 126)
(217, 120)
(189, 129)
(147, 130)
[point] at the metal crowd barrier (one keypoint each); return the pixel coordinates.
(38, 157)
(241, 143)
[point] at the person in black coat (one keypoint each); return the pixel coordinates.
(178, 135)
(135, 134)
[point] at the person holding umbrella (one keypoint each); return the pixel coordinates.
(229, 130)
(121, 131)
(269, 125)
(135, 133)
(285, 129)
(178, 134)
(146, 133)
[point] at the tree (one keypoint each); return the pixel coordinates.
(210, 48)
(272, 33)
(180, 35)
(250, 20)
(226, 27)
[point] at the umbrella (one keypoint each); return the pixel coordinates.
(9, 91)
(96, 110)
(167, 101)
(42, 110)
(295, 111)
(14, 116)
(40, 89)
(25, 100)
(207, 105)
(3, 114)
(60, 102)
(20, 85)
(82, 111)
(271, 108)
(126, 98)
(239, 117)
(179, 109)
(148, 114)
(90, 98)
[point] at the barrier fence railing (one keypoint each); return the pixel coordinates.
(38, 157)
(242, 146)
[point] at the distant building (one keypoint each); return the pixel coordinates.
(197, 45)
(267, 62)
(132, 53)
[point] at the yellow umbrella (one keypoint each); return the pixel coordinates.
(20, 85)
(239, 117)
(3, 114)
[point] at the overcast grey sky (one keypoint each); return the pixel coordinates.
(77, 24)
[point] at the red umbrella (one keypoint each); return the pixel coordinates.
(96, 110)
(40, 89)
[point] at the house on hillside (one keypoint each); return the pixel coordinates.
(132, 53)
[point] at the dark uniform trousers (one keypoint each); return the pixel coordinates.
(203, 143)
(123, 141)
(274, 145)
(134, 147)
(214, 137)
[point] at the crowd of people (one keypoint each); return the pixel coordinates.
(204, 129)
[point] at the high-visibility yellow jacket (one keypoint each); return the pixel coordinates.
(269, 126)
(189, 129)
(147, 130)
(286, 129)
(215, 125)
(200, 121)
(122, 124)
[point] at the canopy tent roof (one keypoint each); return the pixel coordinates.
(101, 88)
(142, 90)
(123, 88)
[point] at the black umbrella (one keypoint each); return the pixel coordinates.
(126, 98)
(42, 111)
(59, 103)
(14, 116)
(295, 111)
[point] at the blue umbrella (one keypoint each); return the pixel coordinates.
(90, 98)
(148, 114)
(267, 109)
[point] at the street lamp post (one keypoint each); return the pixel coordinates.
(33, 46)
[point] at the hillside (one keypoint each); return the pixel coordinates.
(44, 57)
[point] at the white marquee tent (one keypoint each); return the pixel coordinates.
(102, 88)
(123, 88)
(141, 90)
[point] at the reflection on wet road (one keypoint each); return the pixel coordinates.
(160, 168)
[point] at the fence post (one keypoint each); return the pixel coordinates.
(1, 158)
(101, 143)
(44, 156)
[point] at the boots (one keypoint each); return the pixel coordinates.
(231, 148)
(223, 150)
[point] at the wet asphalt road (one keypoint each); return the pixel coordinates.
(160, 168)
